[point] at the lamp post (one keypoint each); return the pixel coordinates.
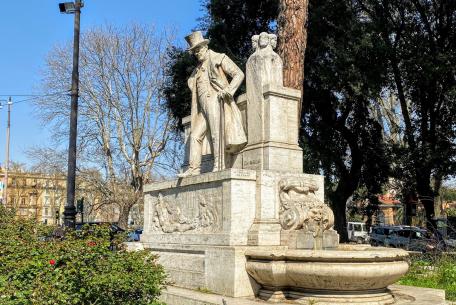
(8, 126)
(69, 212)
(2, 184)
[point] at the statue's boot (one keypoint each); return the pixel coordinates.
(191, 171)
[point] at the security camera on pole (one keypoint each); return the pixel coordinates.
(70, 209)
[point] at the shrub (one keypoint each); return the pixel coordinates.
(80, 269)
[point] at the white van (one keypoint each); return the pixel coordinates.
(357, 232)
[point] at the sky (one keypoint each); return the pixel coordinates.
(30, 28)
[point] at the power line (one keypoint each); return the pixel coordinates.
(37, 95)
(34, 97)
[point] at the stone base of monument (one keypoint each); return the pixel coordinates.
(402, 295)
(201, 226)
(218, 269)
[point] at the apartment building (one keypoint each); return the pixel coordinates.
(35, 195)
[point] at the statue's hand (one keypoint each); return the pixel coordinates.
(224, 94)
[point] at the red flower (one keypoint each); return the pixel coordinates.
(91, 244)
(52, 262)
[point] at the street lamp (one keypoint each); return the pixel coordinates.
(67, 8)
(2, 185)
(8, 127)
(70, 210)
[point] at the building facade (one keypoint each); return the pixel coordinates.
(35, 195)
(43, 197)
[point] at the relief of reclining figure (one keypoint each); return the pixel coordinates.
(169, 219)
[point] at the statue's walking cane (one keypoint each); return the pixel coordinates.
(221, 159)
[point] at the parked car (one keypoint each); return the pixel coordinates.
(135, 235)
(379, 233)
(412, 239)
(357, 232)
(113, 226)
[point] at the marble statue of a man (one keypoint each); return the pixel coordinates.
(214, 113)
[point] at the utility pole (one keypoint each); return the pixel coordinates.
(2, 183)
(70, 209)
(7, 161)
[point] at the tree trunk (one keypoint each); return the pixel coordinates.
(426, 196)
(292, 35)
(338, 205)
(123, 216)
(409, 198)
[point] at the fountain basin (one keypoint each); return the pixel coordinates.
(349, 274)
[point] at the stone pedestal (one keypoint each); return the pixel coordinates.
(201, 226)
(209, 209)
(272, 131)
(266, 229)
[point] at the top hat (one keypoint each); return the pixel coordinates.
(196, 40)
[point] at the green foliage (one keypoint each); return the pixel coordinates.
(447, 194)
(177, 93)
(451, 212)
(230, 24)
(419, 37)
(438, 271)
(78, 270)
(343, 77)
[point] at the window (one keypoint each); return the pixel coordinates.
(404, 233)
(417, 234)
(357, 227)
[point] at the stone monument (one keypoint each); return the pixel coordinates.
(243, 220)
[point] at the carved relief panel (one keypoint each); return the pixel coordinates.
(190, 211)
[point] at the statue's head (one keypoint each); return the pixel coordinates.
(255, 42)
(197, 44)
(200, 52)
(263, 40)
(273, 40)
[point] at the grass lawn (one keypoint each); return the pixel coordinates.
(433, 271)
